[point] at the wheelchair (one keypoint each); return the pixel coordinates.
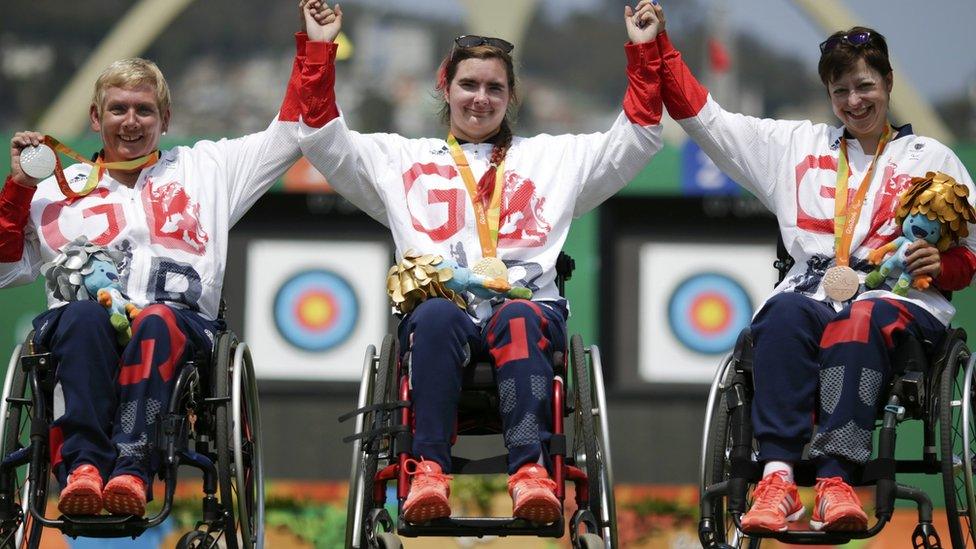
(932, 384)
(383, 441)
(211, 423)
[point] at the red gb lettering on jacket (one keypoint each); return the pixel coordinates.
(95, 213)
(446, 204)
(174, 217)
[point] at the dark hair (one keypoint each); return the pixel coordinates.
(843, 56)
(448, 69)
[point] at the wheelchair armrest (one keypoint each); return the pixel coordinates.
(742, 352)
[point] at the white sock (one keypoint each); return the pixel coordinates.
(777, 466)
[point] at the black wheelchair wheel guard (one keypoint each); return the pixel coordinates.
(591, 437)
(716, 464)
(19, 529)
(958, 443)
(379, 378)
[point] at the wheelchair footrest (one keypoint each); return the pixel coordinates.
(104, 526)
(481, 526)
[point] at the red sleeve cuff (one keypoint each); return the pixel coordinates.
(958, 267)
(642, 101)
(300, 40)
(320, 53)
(645, 55)
(664, 43)
(15, 200)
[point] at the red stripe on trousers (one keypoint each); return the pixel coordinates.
(57, 441)
(177, 343)
(855, 328)
(904, 317)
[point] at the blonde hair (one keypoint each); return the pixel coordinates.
(131, 73)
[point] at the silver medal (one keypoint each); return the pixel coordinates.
(38, 162)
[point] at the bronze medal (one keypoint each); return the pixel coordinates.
(840, 282)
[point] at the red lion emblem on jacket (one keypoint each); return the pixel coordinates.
(174, 218)
(522, 224)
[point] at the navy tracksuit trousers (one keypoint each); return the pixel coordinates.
(520, 337)
(802, 345)
(107, 397)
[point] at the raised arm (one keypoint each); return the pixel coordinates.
(607, 161)
(351, 162)
(746, 148)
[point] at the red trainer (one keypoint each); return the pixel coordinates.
(837, 507)
(533, 495)
(83, 493)
(125, 495)
(429, 490)
(775, 502)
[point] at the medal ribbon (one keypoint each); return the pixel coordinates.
(100, 166)
(846, 220)
(487, 219)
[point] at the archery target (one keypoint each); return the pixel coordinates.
(707, 311)
(316, 310)
(312, 307)
(694, 300)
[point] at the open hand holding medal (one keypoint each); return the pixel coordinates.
(36, 154)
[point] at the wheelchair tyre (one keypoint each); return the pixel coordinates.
(591, 541)
(24, 531)
(378, 386)
(716, 466)
(196, 539)
(386, 540)
(957, 430)
(591, 436)
(238, 425)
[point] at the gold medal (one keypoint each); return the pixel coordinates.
(840, 282)
(491, 267)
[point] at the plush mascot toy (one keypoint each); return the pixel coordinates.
(84, 270)
(934, 208)
(419, 277)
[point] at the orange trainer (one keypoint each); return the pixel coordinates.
(533, 495)
(429, 490)
(82, 495)
(837, 507)
(125, 495)
(775, 503)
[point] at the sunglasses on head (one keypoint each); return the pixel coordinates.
(472, 40)
(855, 39)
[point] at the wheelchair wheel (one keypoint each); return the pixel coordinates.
(377, 385)
(197, 540)
(715, 464)
(590, 541)
(386, 540)
(238, 424)
(18, 529)
(957, 429)
(591, 437)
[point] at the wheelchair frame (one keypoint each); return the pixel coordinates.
(942, 399)
(218, 410)
(383, 437)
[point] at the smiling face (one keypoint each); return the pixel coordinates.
(859, 98)
(478, 97)
(130, 122)
(919, 227)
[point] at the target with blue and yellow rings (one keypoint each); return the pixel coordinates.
(316, 310)
(707, 311)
